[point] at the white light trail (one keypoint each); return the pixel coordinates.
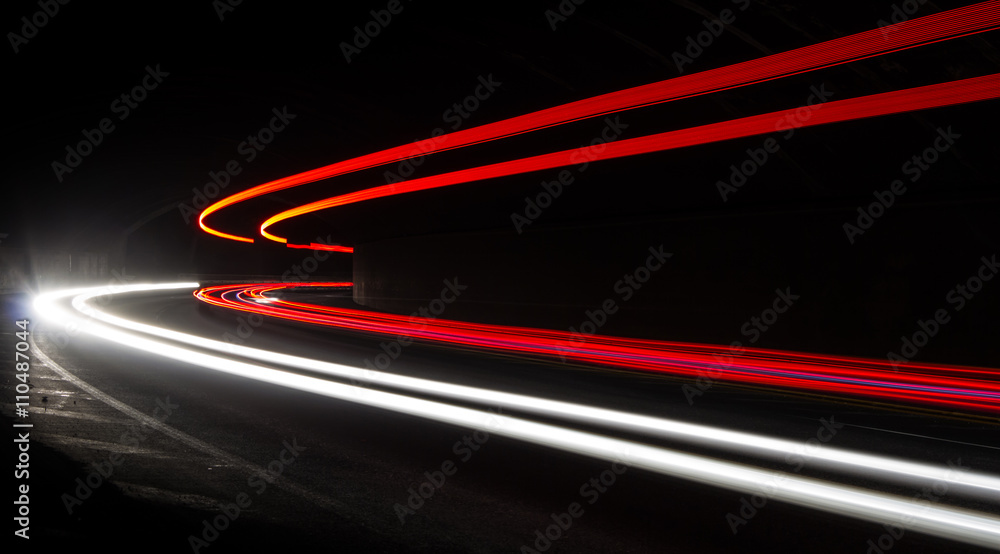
(976, 528)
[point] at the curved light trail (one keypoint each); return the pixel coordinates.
(940, 520)
(940, 386)
(920, 98)
(949, 387)
(938, 27)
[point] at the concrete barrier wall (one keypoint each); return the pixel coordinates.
(28, 269)
(849, 298)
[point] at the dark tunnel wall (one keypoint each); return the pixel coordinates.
(851, 299)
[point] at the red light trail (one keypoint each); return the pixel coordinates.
(944, 386)
(406, 396)
(946, 25)
(944, 94)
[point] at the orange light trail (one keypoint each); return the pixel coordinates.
(951, 387)
(938, 27)
(932, 96)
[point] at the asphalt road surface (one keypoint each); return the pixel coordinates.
(131, 450)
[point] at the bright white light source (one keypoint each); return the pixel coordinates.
(976, 528)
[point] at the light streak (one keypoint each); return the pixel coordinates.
(945, 521)
(932, 96)
(950, 387)
(943, 386)
(929, 29)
